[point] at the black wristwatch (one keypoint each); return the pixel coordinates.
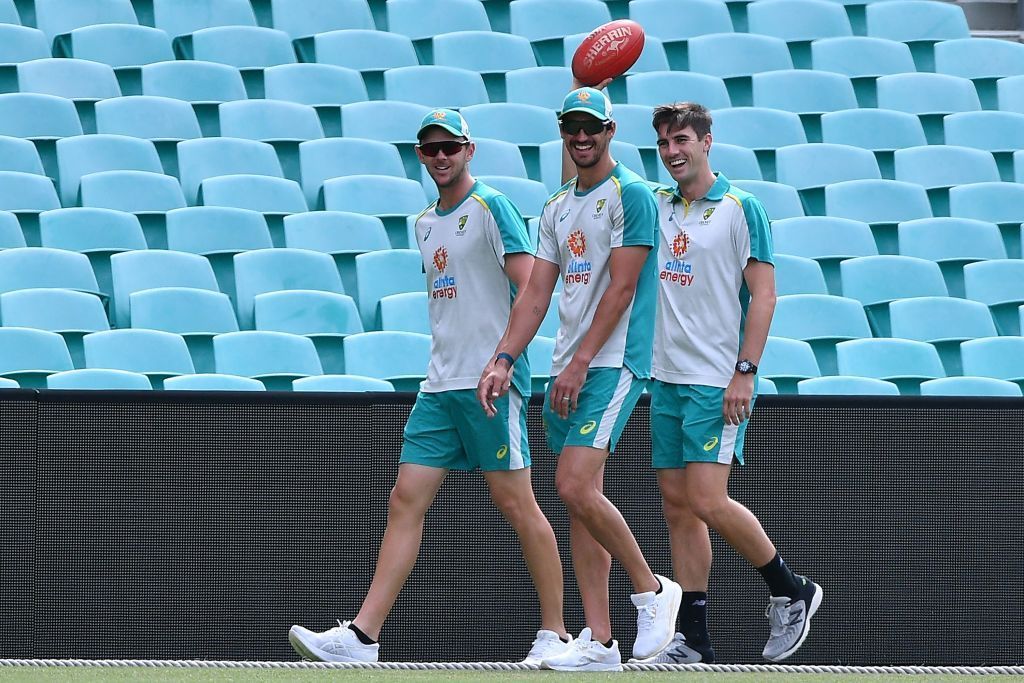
(745, 367)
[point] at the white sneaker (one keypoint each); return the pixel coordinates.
(338, 644)
(790, 620)
(656, 618)
(546, 645)
(584, 654)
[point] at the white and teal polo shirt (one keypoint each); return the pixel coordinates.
(702, 296)
(578, 232)
(468, 293)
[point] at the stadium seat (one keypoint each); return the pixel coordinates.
(997, 357)
(134, 271)
(937, 168)
(195, 314)
(250, 49)
(798, 22)
(525, 125)
(394, 122)
(21, 44)
(809, 168)
(489, 54)
(827, 240)
(27, 356)
(798, 275)
(124, 47)
(274, 270)
(199, 160)
(274, 197)
(863, 60)
(633, 125)
(148, 195)
(7, 383)
(821, 321)
(369, 52)
(675, 22)
(54, 17)
(928, 96)
(550, 324)
(341, 234)
(492, 157)
(732, 160)
(876, 281)
(999, 132)
(529, 196)
(1018, 166)
(9, 12)
(321, 160)
(969, 386)
(540, 352)
(26, 195)
(218, 233)
(43, 119)
(19, 155)
(81, 81)
(341, 383)
(904, 362)
(735, 57)
(324, 87)
(380, 273)
(780, 201)
(435, 86)
(764, 386)
(919, 23)
(545, 24)
(943, 322)
(212, 382)
(1010, 93)
(998, 283)
(881, 130)
(390, 199)
(542, 86)
(405, 312)
(82, 154)
(162, 120)
(847, 386)
(983, 60)
(299, 20)
(762, 130)
(650, 88)
(274, 358)
(10, 231)
(281, 124)
(100, 379)
(398, 357)
(178, 17)
(787, 361)
(70, 314)
(421, 20)
(952, 243)
(880, 203)
(154, 353)
(325, 317)
(41, 267)
(203, 84)
(808, 94)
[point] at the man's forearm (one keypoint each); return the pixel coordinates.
(528, 312)
(755, 329)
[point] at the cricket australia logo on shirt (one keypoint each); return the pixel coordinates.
(677, 270)
(706, 216)
(578, 270)
(462, 225)
(598, 208)
(444, 285)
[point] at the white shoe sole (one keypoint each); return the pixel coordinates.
(315, 654)
(592, 666)
(815, 603)
(677, 600)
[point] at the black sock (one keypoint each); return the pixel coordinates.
(609, 643)
(363, 638)
(780, 578)
(564, 639)
(695, 616)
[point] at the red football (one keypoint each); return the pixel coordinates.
(608, 51)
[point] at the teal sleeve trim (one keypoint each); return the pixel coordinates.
(759, 229)
(639, 216)
(514, 235)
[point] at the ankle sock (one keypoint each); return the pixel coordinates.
(661, 587)
(363, 638)
(609, 643)
(694, 615)
(780, 578)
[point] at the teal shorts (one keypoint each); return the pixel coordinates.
(450, 430)
(604, 405)
(687, 426)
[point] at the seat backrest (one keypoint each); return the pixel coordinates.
(729, 55)
(909, 20)
(512, 122)
(145, 351)
(27, 191)
(483, 51)
(996, 281)
(269, 120)
(309, 18)
(673, 20)
(823, 237)
(193, 81)
(926, 93)
(819, 164)
(335, 231)
(148, 117)
(387, 354)
(213, 382)
(497, 157)
(650, 88)
(320, 160)
(374, 195)
(938, 318)
(11, 235)
(22, 44)
(254, 354)
(82, 154)
(529, 196)
(19, 155)
(420, 19)
(183, 310)
(216, 229)
(136, 191)
(178, 17)
(995, 131)
(308, 312)
(239, 46)
(543, 86)
(732, 160)
(274, 270)
(116, 44)
(815, 316)
(802, 90)
(798, 275)
(798, 20)
(76, 79)
(780, 201)
(314, 84)
(364, 50)
(788, 358)
(54, 17)
(933, 166)
(969, 386)
(343, 383)
(879, 279)
(540, 20)
(134, 271)
(847, 386)
(38, 116)
(435, 86)
(212, 157)
(27, 349)
(877, 201)
(859, 56)
(1010, 94)
(98, 379)
(758, 128)
(888, 358)
(405, 312)
(938, 239)
(979, 58)
(380, 273)
(57, 310)
(385, 121)
(875, 129)
(256, 192)
(31, 267)
(999, 357)
(88, 229)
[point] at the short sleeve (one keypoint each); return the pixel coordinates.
(547, 243)
(639, 216)
(515, 238)
(759, 230)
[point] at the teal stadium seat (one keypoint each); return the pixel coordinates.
(799, 22)
(633, 126)
(762, 130)
(41, 119)
(780, 201)
(40, 267)
(969, 386)
(545, 24)
(134, 271)
(540, 350)
(196, 314)
(435, 86)
(875, 281)
(6, 383)
(489, 54)
(983, 60)
(525, 125)
(798, 275)
(369, 52)
(148, 195)
(880, 130)
(21, 44)
(124, 47)
(79, 80)
(928, 96)
(100, 379)
(494, 157)
(550, 324)
(401, 358)
(542, 86)
(881, 203)
(341, 234)
(250, 49)
(675, 22)
(827, 240)
(274, 358)
(26, 195)
(993, 202)
(999, 284)
(83, 154)
(630, 157)
(154, 353)
(299, 20)
(390, 199)
(394, 122)
(162, 120)
(735, 57)
(421, 20)
(19, 155)
(809, 94)
(952, 243)
(206, 158)
(997, 357)
(275, 198)
(999, 132)
(1010, 94)
(341, 383)
(786, 362)
(919, 23)
(847, 386)
(325, 317)
(205, 85)
(809, 168)
(765, 387)
(321, 160)
(212, 382)
(54, 17)
(732, 160)
(904, 362)
(27, 356)
(324, 87)
(281, 124)
(11, 236)
(70, 314)
(529, 196)
(9, 13)
(275, 270)
(178, 17)
(937, 168)
(821, 321)
(652, 88)
(943, 322)
(405, 312)
(381, 273)
(863, 60)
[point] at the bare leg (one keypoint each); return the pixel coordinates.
(688, 534)
(708, 495)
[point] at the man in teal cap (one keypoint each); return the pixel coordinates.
(476, 256)
(597, 234)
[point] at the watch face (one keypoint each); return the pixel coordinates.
(745, 366)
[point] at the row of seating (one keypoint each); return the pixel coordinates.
(851, 385)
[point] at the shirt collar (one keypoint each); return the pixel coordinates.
(715, 193)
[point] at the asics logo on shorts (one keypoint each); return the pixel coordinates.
(712, 442)
(588, 427)
(502, 452)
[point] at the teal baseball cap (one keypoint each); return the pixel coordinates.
(589, 101)
(449, 119)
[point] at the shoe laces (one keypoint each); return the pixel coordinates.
(646, 615)
(778, 616)
(335, 632)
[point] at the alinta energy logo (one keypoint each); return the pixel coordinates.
(677, 270)
(444, 286)
(579, 269)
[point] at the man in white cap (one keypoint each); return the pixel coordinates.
(476, 255)
(597, 234)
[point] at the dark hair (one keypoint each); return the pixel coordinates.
(682, 114)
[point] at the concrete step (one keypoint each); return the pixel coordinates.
(1013, 36)
(992, 15)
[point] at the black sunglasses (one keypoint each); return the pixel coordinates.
(588, 126)
(449, 147)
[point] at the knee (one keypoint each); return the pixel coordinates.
(707, 508)
(405, 500)
(512, 507)
(677, 511)
(576, 494)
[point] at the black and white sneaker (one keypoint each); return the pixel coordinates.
(790, 620)
(679, 651)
